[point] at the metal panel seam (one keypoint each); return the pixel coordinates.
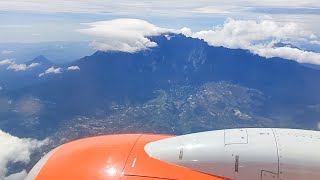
(130, 154)
(275, 139)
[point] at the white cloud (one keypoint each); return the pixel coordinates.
(5, 52)
(288, 53)
(171, 13)
(51, 70)
(126, 35)
(168, 36)
(22, 67)
(73, 68)
(186, 31)
(244, 33)
(13, 150)
(6, 62)
(32, 65)
(17, 67)
(259, 37)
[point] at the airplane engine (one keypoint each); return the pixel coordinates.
(234, 154)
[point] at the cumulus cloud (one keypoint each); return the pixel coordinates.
(18, 67)
(6, 62)
(12, 65)
(13, 150)
(22, 67)
(32, 65)
(287, 53)
(126, 35)
(73, 68)
(259, 36)
(5, 52)
(186, 31)
(51, 70)
(244, 33)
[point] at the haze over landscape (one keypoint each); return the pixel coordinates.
(74, 69)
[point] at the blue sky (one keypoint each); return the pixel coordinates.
(45, 20)
(125, 25)
(28, 26)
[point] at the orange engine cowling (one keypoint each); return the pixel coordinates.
(110, 157)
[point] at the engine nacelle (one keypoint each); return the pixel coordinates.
(235, 154)
(243, 154)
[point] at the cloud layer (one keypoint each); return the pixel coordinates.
(164, 7)
(244, 33)
(13, 150)
(126, 35)
(60, 18)
(258, 36)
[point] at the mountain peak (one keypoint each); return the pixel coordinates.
(40, 59)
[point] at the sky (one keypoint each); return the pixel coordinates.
(34, 21)
(124, 25)
(46, 20)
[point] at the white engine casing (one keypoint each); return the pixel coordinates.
(245, 154)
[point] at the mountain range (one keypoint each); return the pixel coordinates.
(183, 85)
(11, 79)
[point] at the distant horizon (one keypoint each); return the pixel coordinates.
(34, 20)
(126, 25)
